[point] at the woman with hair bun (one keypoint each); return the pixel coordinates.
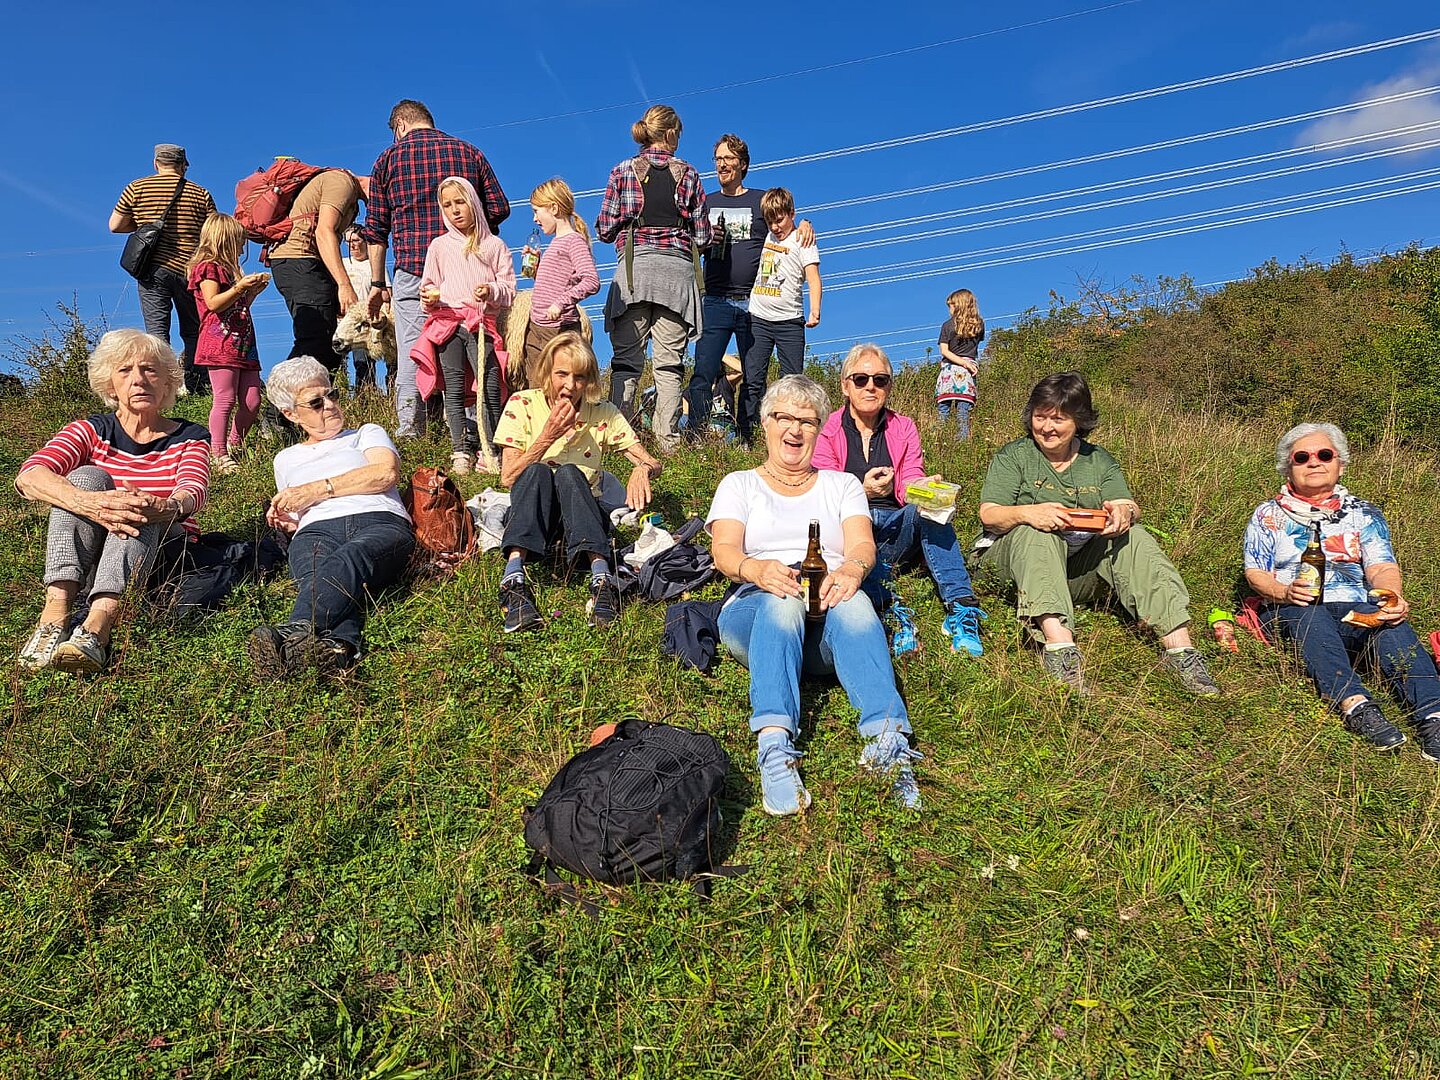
(654, 213)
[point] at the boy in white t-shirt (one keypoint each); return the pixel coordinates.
(777, 309)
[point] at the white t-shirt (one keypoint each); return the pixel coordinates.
(359, 271)
(305, 462)
(775, 296)
(778, 526)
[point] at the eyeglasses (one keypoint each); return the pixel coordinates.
(1300, 457)
(332, 395)
(861, 380)
(721, 160)
(808, 423)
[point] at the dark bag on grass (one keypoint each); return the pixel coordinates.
(643, 805)
(672, 573)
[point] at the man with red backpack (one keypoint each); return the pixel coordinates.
(307, 265)
(404, 201)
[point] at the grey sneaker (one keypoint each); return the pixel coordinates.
(39, 651)
(83, 654)
(889, 754)
(1065, 666)
(1368, 721)
(782, 792)
(1189, 667)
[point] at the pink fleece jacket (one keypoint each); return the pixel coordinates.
(455, 272)
(902, 439)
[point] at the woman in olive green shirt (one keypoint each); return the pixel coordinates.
(1032, 538)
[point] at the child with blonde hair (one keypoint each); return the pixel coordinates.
(469, 276)
(960, 338)
(566, 274)
(226, 346)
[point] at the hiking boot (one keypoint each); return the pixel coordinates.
(517, 601)
(1066, 666)
(278, 651)
(39, 651)
(603, 607)
(83, 654)
(963, 626)
(889, 754)
(1189, 667)
(335, 657)
(782, 792)
(1428, 732)
(462, 463)
(903, 639)
(1366, 719)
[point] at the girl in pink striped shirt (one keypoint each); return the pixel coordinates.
(566, 274)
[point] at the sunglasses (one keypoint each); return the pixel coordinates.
(1300, 457)
(861, 380)
(332, 395)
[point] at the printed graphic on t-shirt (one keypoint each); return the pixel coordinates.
(771, 278)
(733, 222)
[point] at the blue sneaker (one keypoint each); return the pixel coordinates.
(963, 626)
(904, 639)
(889, 754)
(782, 792)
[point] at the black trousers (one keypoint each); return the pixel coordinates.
(314, 302)
(547, 504)
(162, 290)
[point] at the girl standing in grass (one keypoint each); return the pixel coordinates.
(960, 338)
(226, 346)
(566, 274)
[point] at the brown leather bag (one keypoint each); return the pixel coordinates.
(443, 526)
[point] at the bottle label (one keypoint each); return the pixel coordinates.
(1308, 576)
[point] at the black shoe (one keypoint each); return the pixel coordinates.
(334, 657)
(1429, 733)
(603, 607)
(1369, 721)
(518, 602)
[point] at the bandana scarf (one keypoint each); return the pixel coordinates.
(1308, 511)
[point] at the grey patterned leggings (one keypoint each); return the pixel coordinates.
(78, 550)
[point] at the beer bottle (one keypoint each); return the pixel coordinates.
(1312, 566)
(812, 573)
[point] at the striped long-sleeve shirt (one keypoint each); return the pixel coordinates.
(174, 464)
(566, 276)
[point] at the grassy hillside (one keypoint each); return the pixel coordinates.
(208, 876)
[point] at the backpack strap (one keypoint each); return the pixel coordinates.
(174, 201)
(641, 168)
(539, 870)
(702, 883)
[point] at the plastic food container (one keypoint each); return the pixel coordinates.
(932, 494)
(1088, 520)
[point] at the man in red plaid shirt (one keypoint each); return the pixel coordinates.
(404, 204)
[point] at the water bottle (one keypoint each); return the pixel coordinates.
(530, 258)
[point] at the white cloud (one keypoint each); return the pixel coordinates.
(1395, 114)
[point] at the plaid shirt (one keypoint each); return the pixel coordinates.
(624, 201)
(403, 199)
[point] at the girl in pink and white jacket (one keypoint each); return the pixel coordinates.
(469, 276)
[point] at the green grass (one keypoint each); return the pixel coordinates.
(207, 876)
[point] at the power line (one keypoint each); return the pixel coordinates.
(1084, 106)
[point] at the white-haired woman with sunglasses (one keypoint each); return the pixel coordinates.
(759, 528)
(881, 448)
(1360, 566)
(338, 492)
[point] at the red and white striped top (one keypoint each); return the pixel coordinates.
(173, 464)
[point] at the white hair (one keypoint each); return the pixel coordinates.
(120, 345)
(800, 389)
(290, 375)
(858, 353)
(1287, 443)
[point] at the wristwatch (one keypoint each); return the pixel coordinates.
(377, 284)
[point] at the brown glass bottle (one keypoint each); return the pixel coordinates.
(1312, 566)
(812, 574)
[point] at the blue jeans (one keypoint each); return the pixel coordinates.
(770, 636)
(723, 318)
(1328, 648)
(962, 415)
(901, 533)
(337, 562)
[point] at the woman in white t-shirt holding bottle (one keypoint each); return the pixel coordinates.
(338, 492)
(759, 528)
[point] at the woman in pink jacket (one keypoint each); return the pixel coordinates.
(469, 275)
(882, 449)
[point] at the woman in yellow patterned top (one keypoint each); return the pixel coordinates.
(551, 441)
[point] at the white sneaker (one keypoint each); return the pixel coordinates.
(461, 463)
(40, 649)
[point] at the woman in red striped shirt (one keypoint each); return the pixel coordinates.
(118, 485)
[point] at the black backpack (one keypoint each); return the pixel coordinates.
(643, 805)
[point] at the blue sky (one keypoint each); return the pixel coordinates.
(557, 98)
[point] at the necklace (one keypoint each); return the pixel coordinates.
(785, 483)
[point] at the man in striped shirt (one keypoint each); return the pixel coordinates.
(164, 287)
(404, 202)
